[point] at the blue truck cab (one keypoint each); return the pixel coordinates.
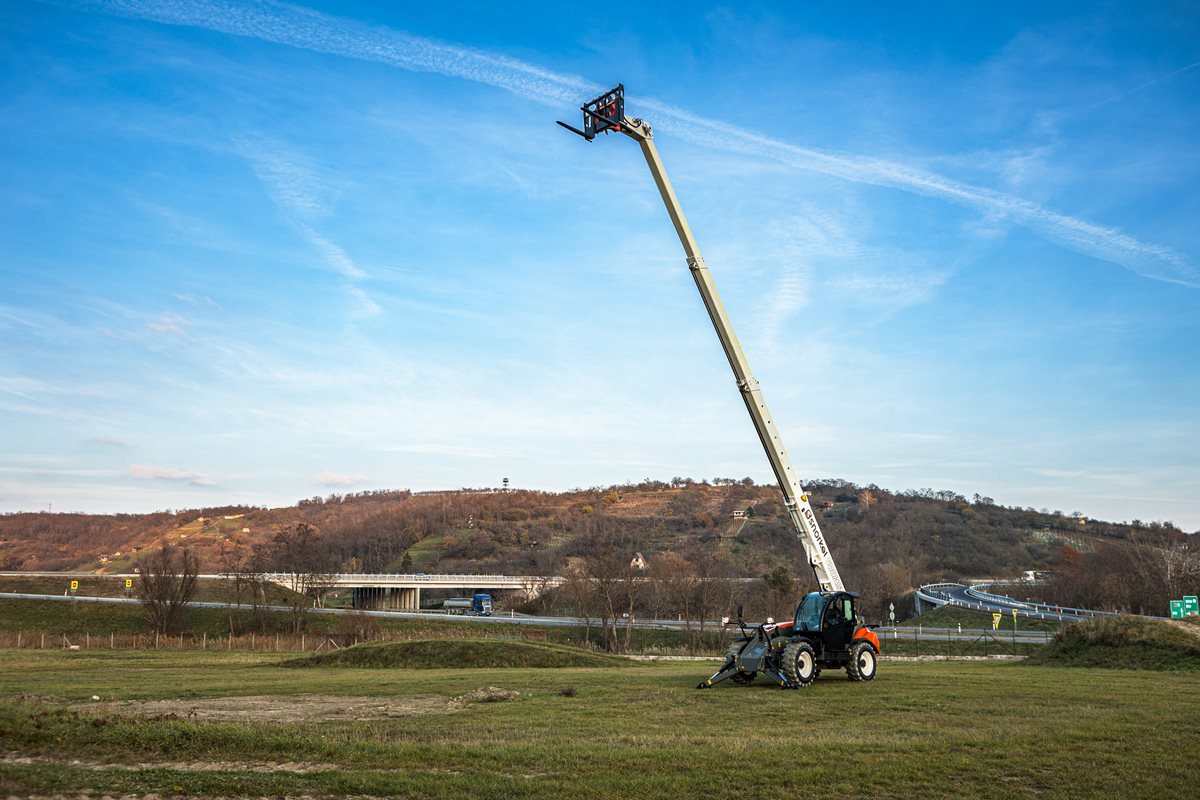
(481, 604)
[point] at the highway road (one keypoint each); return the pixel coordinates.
(981, 597)
(885, 633)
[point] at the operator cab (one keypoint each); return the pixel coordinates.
(828, 615)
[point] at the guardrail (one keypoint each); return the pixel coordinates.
(1046, 608)
(929, 594)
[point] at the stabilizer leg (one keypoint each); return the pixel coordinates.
(727, 671)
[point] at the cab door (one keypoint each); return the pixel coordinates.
(838, 627)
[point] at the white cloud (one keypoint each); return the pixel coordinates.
(334, 255)
(361, 303)
(172, 324)
(168, 474)
(330, 478)
(289, 177)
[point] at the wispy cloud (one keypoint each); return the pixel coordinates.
(330, 478)
(293, 183)
(108, 441)
(312, 30)
(194, 301)
(289, 177)
(1146, 85)
(168, 474)
(334, 256)
(171, 324)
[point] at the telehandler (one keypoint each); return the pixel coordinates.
(826, 631)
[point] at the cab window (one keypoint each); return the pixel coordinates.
(836, 614)
(808, 614)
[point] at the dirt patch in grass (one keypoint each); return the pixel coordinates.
(459, 654)
(308, 708)
(1124, 642)
(1190, 628)
(486, 694)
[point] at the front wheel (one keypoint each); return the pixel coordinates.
(799, 664)
(862, 662)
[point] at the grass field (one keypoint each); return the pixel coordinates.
(186, 723)
(951, 616)
(99, 620)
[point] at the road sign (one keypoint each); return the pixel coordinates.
(74, 585)
(129, 583)
(996, 621)
(1191, 607)
(1176, 609)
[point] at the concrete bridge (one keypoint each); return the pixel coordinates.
(379, 592)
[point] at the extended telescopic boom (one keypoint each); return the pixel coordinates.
(607, 113)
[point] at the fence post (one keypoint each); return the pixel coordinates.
(43, 647)
(87, 640)
(112, 640)
(302, 642)
(18, 640)
(204, 646)
(156, 640)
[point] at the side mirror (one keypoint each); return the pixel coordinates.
(739, 612)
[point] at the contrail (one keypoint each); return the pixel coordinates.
(1145, 85)
(306, 29)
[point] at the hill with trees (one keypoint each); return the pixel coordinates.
(885, 542)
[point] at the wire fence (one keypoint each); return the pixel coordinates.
(255, 642)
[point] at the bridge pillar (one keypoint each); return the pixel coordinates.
(408, 599)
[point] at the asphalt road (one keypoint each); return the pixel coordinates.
(979, 599)
(885, 633)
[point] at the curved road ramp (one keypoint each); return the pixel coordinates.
(1125, 642)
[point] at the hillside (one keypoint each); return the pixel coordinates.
(888, 541)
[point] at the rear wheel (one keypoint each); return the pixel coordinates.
(862, 662)
(741, 678)
(799, 664)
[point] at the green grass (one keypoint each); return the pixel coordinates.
(1124, 643)
(426, 552)
(459, 654)
(58, 618)
(930, 730)
(930, 644)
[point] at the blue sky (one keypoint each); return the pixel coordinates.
(256, 252)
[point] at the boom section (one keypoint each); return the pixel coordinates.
(794, 496)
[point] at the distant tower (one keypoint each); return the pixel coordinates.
(506, 484)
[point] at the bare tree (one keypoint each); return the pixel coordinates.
(1165, 565)
(577, 585)
(167, 582)
(681, 588)
(297, 552)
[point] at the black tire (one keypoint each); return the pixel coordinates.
(740, 678)
(799, 664)
(863, 662)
